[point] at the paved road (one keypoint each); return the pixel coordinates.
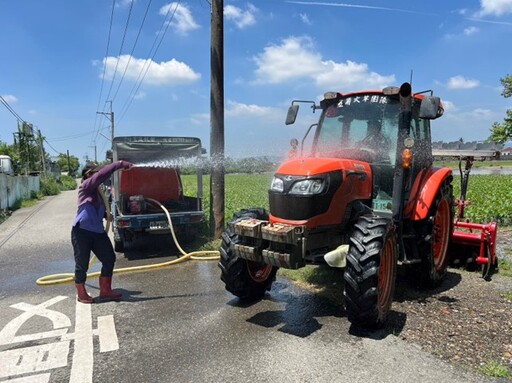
(176, 324)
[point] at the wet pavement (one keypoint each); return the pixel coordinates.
(177, 324)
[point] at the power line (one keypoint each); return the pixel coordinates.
(55, 150)
(132, 51)
(145, 68)
(10, 109)
(96, 124)
(120, 50)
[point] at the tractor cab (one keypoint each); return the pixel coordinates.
(368, 126)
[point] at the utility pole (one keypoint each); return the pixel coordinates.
(69, 162)
(43, 157)
(95, 153)
(110, 116)
(217, 185)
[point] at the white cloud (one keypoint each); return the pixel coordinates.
(236, 109)
(171, 72)
(480, 113)
(140, 96)
(459, 82)
(123, 3)
(9, 98)
(351, 74)
(182, 20)
(305, 19)
(449, 106)
(494, 7)
(296, 58)
(471, 31)
(241, 18)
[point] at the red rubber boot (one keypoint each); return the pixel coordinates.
(82, 295)
(106, 292)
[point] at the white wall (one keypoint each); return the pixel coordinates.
(14, 188)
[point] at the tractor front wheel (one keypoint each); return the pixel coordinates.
(246, 279)
(435, 233)
(370, 273)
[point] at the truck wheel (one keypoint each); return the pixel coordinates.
(118, 242)
(118, 246)
(370, 273)
(246, 279)
(435, 234)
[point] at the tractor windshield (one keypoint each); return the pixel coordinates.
(361, 126)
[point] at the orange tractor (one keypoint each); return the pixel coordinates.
(365, 198)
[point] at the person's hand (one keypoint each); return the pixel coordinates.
(126, 165)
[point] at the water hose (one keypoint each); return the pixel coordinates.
(203, 255)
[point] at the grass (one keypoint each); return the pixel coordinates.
(495, 369)
(505, 267)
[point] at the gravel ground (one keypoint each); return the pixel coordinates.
(467, 320)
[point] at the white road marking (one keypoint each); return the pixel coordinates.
(41, 378)
(107, 334)
(83, 358)
(59, 320)
(34, 359)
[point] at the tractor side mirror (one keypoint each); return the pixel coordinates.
(292, 114)
(431, 108)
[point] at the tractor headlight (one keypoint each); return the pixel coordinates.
(308, 187)
(277, 185)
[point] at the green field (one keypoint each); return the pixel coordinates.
(491, 196)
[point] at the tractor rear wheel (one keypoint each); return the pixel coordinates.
(246, 279)
(370, 273)
(435, 233)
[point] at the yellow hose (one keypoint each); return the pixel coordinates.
(203, 255)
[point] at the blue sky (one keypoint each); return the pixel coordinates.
(59, 68)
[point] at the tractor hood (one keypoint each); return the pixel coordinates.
(313, 166)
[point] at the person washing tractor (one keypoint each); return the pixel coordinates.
(88, 233)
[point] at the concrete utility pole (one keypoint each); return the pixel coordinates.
(95, 153)
(41, 147)
(110, 116)
(217, 193)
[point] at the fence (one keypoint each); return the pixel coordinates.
(15, 188)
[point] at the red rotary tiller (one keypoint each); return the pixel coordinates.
(474, 242)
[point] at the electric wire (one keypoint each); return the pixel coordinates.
(10, 109)
(132, 51)
(96, 124)
(120, 50)
(55, 150)
(144, 70)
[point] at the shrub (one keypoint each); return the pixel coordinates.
(67, 183)
(49, 186)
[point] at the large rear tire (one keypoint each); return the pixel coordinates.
(370, 272)
(435, 233)
(246, 279)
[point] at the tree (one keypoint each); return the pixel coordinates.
(74, 164)
(503, 132)
(507, 86)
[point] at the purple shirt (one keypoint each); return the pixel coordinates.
(91, 208)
